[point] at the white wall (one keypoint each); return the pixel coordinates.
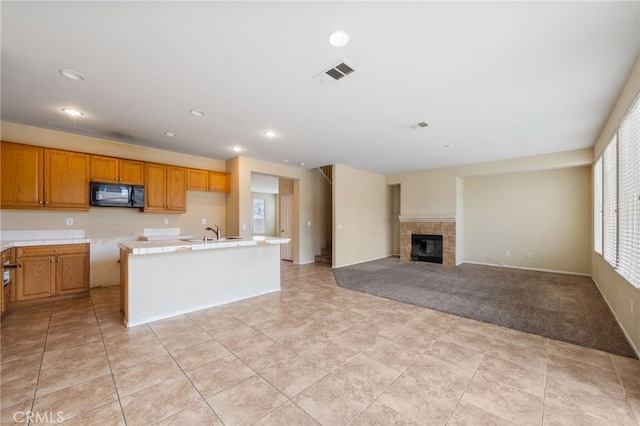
(617, 291)
(546, 214)
(363, 216)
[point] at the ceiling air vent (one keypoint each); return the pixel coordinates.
(416, 126)
(334, 73)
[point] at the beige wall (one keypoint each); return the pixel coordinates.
(106, 227)
(544, 213)
(617, 291)
(362, 216)
(309, 192)
(430, 192)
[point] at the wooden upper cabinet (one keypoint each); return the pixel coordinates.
(117, 170)
(197, 180)
(22, 169)
(34, 177)
(165, 188)
(219, 182)
(176, 189)
(66, 179)
(205, 180)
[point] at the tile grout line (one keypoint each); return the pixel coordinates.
(35, 390)
(104, 346)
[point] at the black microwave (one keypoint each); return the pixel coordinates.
(116, 195)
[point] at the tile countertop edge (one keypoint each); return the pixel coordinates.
(154, 247)
(5, 245)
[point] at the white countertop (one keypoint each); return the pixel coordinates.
(154, 247)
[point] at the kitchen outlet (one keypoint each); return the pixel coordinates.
(166, 221)
(69, 221)
(244, 226)
(529, 255)
(204, 221)
(507, 253)
(339, 226)
(308, 223)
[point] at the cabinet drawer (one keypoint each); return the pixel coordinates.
(52, 250)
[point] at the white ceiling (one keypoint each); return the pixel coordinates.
(494, 80)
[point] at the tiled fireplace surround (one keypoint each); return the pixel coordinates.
(435, 226)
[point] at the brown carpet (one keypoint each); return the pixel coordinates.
(559, 306)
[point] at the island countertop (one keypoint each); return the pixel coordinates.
(168, 246)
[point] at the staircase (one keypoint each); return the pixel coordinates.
(326, 255)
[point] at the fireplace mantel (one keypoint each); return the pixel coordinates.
(427, 218)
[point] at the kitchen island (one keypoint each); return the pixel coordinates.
(162, 279)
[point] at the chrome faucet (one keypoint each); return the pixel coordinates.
(216, 231)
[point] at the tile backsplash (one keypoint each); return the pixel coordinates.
(41, 234)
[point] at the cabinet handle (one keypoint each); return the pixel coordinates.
(46, 202)
(51, 260)
(55, 249)
(39, 201)
(12, 266)
(59, 260)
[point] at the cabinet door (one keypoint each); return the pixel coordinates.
(36, 278)
(104, 169)
(72, 273)
(21, 185)
(176, 189)
(154, 187)
(66, 180)
(219, 182)
(131, 172)
(197, 180)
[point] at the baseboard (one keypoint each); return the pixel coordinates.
(637, 352)
(498, 265)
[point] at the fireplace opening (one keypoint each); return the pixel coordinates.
(426, 248)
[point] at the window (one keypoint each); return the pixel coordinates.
(616, 198)
(258, 216)
(629, 195)
(597, 206)
(610, 201)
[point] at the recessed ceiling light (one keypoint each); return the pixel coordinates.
(237, 149)
(73, 75)
(170, 134)
(286, 161)
(270, 134)
(198, 112)
(72, 112)
(300, 164)
(449, 145)
(338, 38)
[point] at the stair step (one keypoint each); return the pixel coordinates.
(323, 259)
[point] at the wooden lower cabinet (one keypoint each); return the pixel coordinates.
(48, 271)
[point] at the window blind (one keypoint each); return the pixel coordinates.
(629, 195)
(597, 206)
(610, 201)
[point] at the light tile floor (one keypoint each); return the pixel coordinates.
(311, 354)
